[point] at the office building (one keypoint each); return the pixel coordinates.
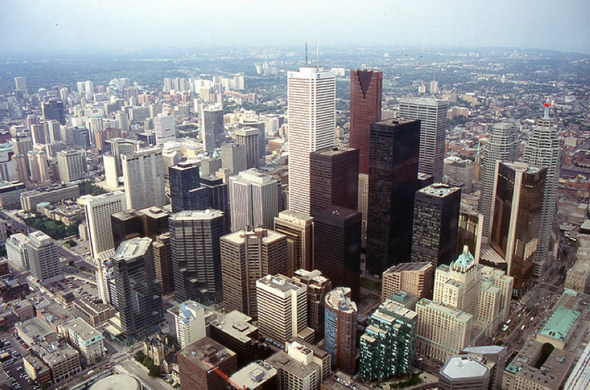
(470, 231)
(259, 375)
(299, 229)
(212, 129)
(199, 365)
(518, 201)
(115, 147)
(365, 109)
(413, 278)
(458, 172)
(185, 191)
(86, 339)
(503, 146)
(311, 107)
(299, 368)
(53, 109)
(393, 181)
(163, 262)
(236, 332)
(338, 246)
(494, 358)
(388, 346)
(196, 257)
(340, 329)
(246, 256)
(432, 114)
(138, 295)
(165, 128)
(261, 126)
(217, 195)
(282, 309)
(317, 288)
(129, 224)
(543, 151)
(234, 158)
(93, 312)
(333, 178)
(250, 138)
(253, 199)
(143, 177)
(436, 219)
(464, 372)
(16, 251)
(42, 258)
(71, 165)
(189, 319)
(21, 84)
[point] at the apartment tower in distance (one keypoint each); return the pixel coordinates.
(312, 120)
(432, 114)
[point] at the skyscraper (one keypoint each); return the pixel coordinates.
(413, 278)
(436, 218)
(163, 262)
(317, 288)
(42, 257)
(502, 145)
(53, 109)
(543, 151)
(312, 120)
(340, 329)
(184, 188)
(253, 199)
(247, 256)
(143, 176)
(333, 178)
(20, 83)
(432, 114)
(518, 201)
(393, 181)
(299, 229)
(71, 165)
(365, 109)
(165, 128)
(139, 299)
(212, 129)
(250, 137)
(234, 158)
(196, 259)
(189, 318)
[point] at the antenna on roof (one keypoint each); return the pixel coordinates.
(306, 54)
(317, 54)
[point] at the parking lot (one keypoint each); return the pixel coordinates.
(14, 364)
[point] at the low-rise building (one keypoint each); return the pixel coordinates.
(94, 313)
(52, 194)
(86, 339)
(36, 369)
(258, 375)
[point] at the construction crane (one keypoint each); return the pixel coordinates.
(224, 376)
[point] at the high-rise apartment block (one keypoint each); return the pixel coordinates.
(196, 258)
(247, 256)
(299, 229)
(143, 176)
(250, 137)
(340, 329)
(388, 346)
(436, 218)
(189, 319)
(317, 288)
(365, 109)
(334, 178)
(393, 181)
(165, 128)
(432, 114)
(71, 165)
(459, 172)
(413, 278)
(253, 199)
(312, 120)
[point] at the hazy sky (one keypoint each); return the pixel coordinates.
(58, 25)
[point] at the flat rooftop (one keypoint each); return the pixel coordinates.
(278, 284)
(254, 374)
(267, 235)
(439, 190)
(208, 350)
(463, 367)
(82, 329)
(132, 248)
(235, 324)
(339, 299)
(188, 215)
(560, 324)
(35, 327)
(409, 267)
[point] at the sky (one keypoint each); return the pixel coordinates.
(30, 26)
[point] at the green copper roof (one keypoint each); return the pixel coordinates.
(465, 259)
(560, 323)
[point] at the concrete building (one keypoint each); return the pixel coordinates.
(165, 128)
(16, 251)
(143, 178)
(189, 318)
(312, 120)
(317, 288)
(92, 312)
(340, 329)
(234, 158)
(86, 339)
(259, 375)
(578, 277)
(42, 258)
(195, 363)
(250, 138)
(298, 369)
(212, 128)
(71, 165)
(236, 332)
(299, 229)
(413, 278)
(458, 172)
(30, 199)
(579, 378)
(464, 372)
(36, 369)
(253, 199)
(163, 262)
(494, 358)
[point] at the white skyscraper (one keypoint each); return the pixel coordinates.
(43, 259)
(143, 177)
(189, 317)
(165, 128)
(543, 151)
(71, 165)
(312, 120)
(503, 146)
(253, 200)
(432, 114)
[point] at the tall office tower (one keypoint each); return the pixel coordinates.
(43, 164)
(312, 120)
(334, 178)
(256, 124)
(247, 256)
(464, 372)
(53, 109)
(16, 251)
(116, 147)
(196, 258)
(165, 128)
(195, 363)
(143, 176)
(459, 172)
(518, 203)
(470, 231)
(34, 174)
(218, 196)
(20, 84)
(413, 278)
(432, 114)
(282, 309)
(163, 262)
(139, 299)
(234, 158)
(189, 319)
(42, 258)
(393, 181)
(253, 200)
(53, 131)
(98, 211)
(340, 339)
(338, 246)
(212, 129)
(387, 347)
(502, 145)
(71, 165)
(123, 120)
(250, 137)
(299, 229)
(185, 192)
(39, 134)
(543, 151)
(317, 288)
(365, 109)
(436, 219)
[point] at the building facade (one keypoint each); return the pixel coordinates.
(340, 329)
(143, 178)
(299, 229)
(253, 199)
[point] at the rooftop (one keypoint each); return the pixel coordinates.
(279, 283)
(206, 349)
(196, 214)
(339, 299)
(409, 267)
(235, 324)
(463, 367)
(559, 325)
(439, 190)
(132, 248)
(254, 374)
(267, 235)
(82, 329)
